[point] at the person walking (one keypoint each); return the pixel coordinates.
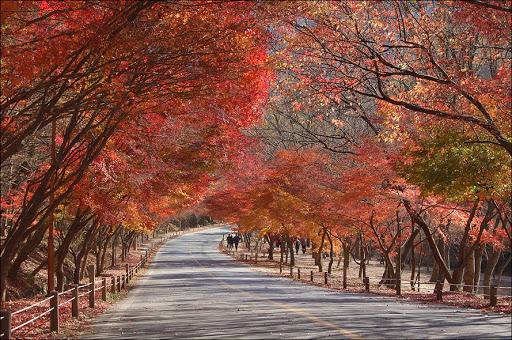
(297, 246)
(230, 241)
(236, 240)
(303, 244)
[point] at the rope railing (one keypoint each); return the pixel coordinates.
(66, 302)
(31, 306)
(32, 320)
(66, 292)
(83, 294)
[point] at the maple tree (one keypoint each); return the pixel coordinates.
(324, 121)
(143, 94)
(439, 61)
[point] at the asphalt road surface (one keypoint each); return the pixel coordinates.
(193, 291)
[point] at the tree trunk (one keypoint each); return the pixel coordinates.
(409, 244)
(501, 269)
(466, 250)
(362, 258)
(76, 269)
(490, 265)
(435, 271)
(290, 249)
(24, 251)
(418, 220)
(331, 253)
(281, 249)
(271, 239)
(285, 245)
(114, 246)
(389, 274)
(346, 256)
(87, 247)
(256, 248)
(77, 258)
(413, 265)
(63, 250)
(469, 272)
(478, 267)
(320, 250)
(123, 252)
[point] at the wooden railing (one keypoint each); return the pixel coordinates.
(58, 300)
(294, 271)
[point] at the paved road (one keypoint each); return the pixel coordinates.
(193, 291)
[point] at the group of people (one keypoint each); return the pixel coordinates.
(233, 240)
(299, 243)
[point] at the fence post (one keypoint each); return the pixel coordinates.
(91, 285)
(439, 290)
(291, 271)
(398, 287)
(344, 277)
(141, 260)
(118, 279)
(311, 276)
(298, 273)
(74, 302)
(127, 268)
(104, 289)
(122, 281)
(113, 284)
(366, 281)
(280, 268)
(54, 314)
(325, 277)
(493, 299)
(5, 324)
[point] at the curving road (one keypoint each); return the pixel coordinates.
(193, 291)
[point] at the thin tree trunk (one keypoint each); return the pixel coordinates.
(490, 266)
(331, 253)
(271, 246)
(469, 272)
(478, 267)
(290, 249)
(320, 249)
(501, 269)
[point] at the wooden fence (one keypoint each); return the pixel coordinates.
(71, 297)
(398, 285)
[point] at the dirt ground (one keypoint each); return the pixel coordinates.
(374, 270)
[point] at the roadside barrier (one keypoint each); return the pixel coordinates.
(56, 301)
(490, 292)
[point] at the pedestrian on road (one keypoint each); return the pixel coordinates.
(303, 244)
(236, 240)
(230, 241)
(297, 246)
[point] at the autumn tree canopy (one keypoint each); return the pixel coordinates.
(370, 123)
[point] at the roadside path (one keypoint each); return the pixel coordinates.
(193, 291)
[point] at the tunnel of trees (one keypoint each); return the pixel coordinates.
(372, 128)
